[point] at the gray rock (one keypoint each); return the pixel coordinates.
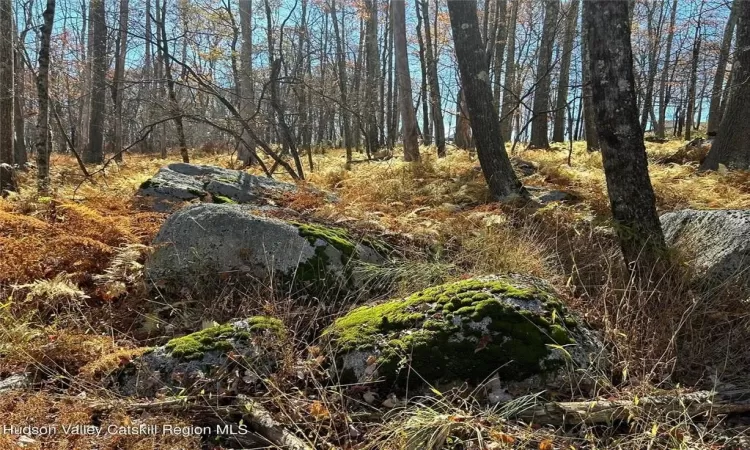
(717, 240)
(14, 382)
(207, 243)
(545, 196)
(180, 182)
(512, 326)
(215, 360)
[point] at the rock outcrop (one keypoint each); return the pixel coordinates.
(718, 241)
(217, 360)
(468, 330)
(180, 182)
(209, 243)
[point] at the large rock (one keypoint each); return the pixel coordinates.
(466, 331)
(207, 242)
(217, 360)
(717, 240)
(180, 182)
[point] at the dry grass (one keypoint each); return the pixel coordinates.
(74, 259)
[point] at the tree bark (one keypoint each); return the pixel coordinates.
(19, 144)
(693, 80)
(434, 82)
(7, 92)
(408, 117)
(118, 87)
(540, 108)
(341, 65)
(175, 108)
(475, 81)
(373, 81)
(661, 126)
(714, 109)
(42, 85)
(426, 135)
(246, 152)
(510, 96)
(571, 23)
(98, 59)
(589, 115)
(730, 147)
(631, 195)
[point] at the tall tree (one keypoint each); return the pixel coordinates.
(373, 67)
(631, 195)
(19, 144)
(341, 66)
(497, 49)
(540, 108)
(98, 57)
(589, 115)
(42, 84)
(485, 124)
(510, 96)
(408, 116)
(730, 147)
(664, 80)
(118, 86)
(714, 109)
(434, 82)
(571, 23)
(7, 94)
(246, 152)
(175, 110)
(693, 82)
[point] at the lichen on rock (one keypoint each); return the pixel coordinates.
(464, 331)
(196, 360)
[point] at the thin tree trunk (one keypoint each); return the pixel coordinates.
(434, 83)
(426, 135)
(510, 95)
(19, 145)
(98, 57)
(498, 49)
(630, 192)
(341, 64)
(373, 81)
(118, 87)
(571, 23)
(176, 110)
(661, 127)
(693, 80)
(42, 85)
(7, 95)
(485, 124)
(246, 153)
(589, 115)
(540, 108)
(409, 119)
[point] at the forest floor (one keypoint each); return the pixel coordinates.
(73, 308)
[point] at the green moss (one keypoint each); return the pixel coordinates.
(220, 337)
(222, 199)
(339, 238)
(423, 327)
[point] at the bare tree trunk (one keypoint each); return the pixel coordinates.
(714, 109)
(341, 64)
(661, 126)
(498, 49)
(462, 138)
(571, 23)
(118, 87)
(631, 195)
(510, 95)
(98, 57)
(408, 117)
(7, 94)
(246, 152)
(42, 85)
(434, 82)
(426, 135)
(19, 148)
(373, 81)
(654, 38)
(540, 108)
(589, 115)
(693, 80)
(175, 108)
(485, 124)
(730, 147)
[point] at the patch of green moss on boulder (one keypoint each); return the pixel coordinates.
(461, 331)
(220, 337)
(221, 199)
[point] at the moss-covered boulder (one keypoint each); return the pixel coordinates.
(466, 331)
(219, 359)
(203, 246)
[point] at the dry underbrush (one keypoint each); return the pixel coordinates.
(71, 313)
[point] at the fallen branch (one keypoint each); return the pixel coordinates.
(693, 405)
